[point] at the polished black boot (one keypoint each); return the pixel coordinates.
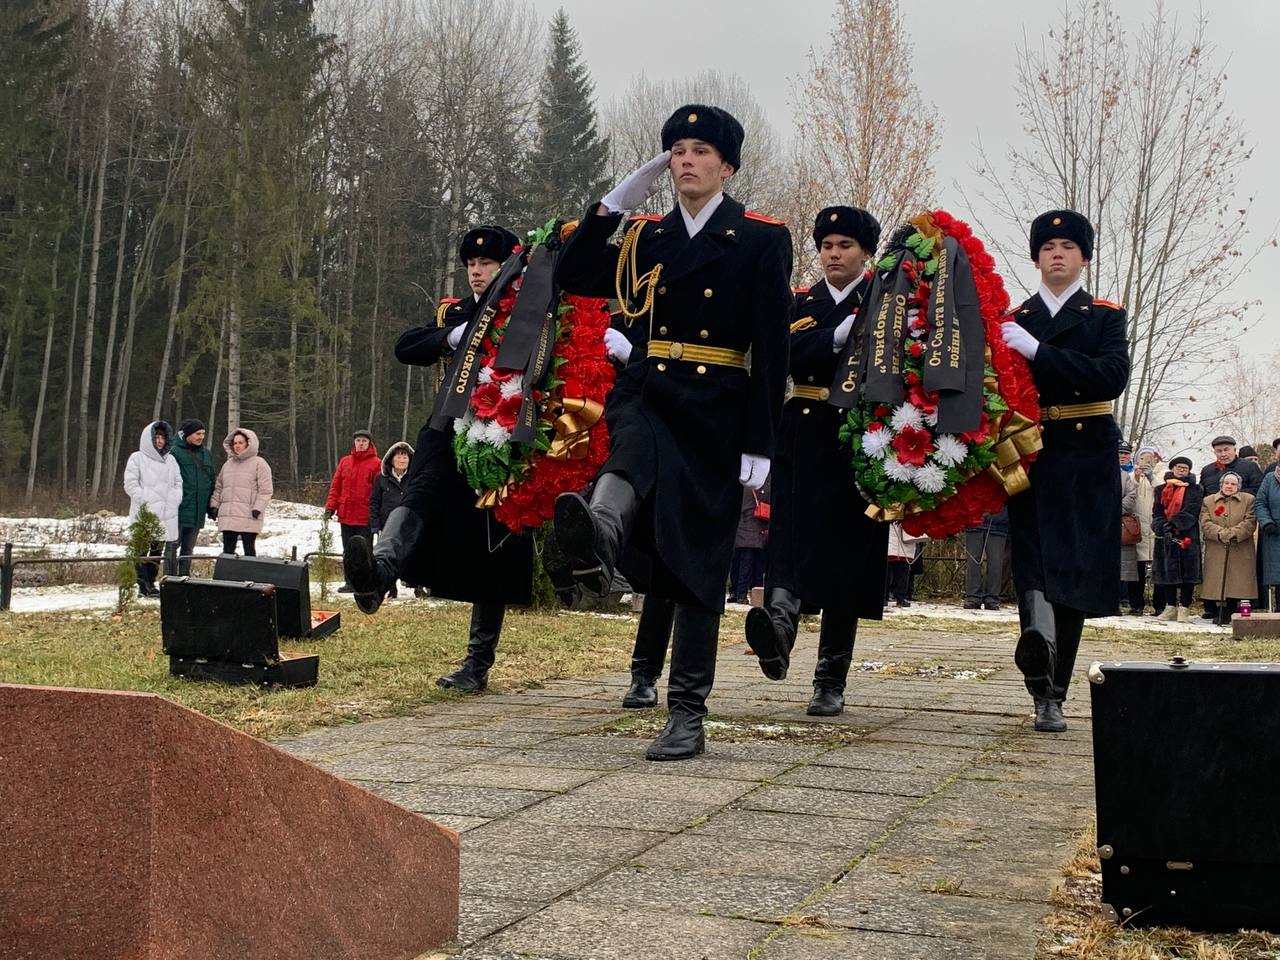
(592, 533)
(771, 631)
(652, 636)
(693, 671)
(835, 653)
(1034, 653)
(372, 570)
(473, 674)
(1050, 692)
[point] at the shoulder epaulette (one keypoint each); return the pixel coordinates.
(650, 217)
(799, 290)
(752, 215)
(450, 301)
(1108, 303)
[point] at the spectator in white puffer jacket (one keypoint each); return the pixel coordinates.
(152, 476)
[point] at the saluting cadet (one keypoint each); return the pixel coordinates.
(1065, 529)
(823, 549)
(438, 538)
(692, 419)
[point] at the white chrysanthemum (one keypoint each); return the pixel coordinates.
(907, 415)
(495, 434)
(513, 386)
(475, 431)
(932, 418)
(895, 469)
(462, 424)
(486, 374)
(951, 451)
(930, 478)
(875, 442)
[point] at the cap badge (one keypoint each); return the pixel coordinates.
(693, 118)
(1057, 221)
(479, 241)
(834, 217)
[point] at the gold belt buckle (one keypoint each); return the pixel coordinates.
(675, 351)
(1054, 412)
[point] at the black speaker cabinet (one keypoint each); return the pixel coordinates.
(294, 615)
(222, 630)
(1187, 772)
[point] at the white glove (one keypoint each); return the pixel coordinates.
(616, 345)
(638, 186)
(455, 336)
(754, 471)
(1018, 339)
(841, 335)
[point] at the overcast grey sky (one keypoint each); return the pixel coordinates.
(767, 44)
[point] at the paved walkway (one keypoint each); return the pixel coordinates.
(928, 821)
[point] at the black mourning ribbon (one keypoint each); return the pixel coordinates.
(870, 367)
(529, 340)
(464, 369)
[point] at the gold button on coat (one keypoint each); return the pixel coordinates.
(805, 410)
(662, 289)
(703, 334)
(1079, 425)
(662, 366)
(707, 292)
(701, 368)
(662, 329)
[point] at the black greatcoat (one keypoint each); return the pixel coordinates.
(822, 545)
(1065, 530)
(677, 427)
(465, 554)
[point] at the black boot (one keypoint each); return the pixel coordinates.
(373, 571)
(771, 631)
(693, 671)
(473, 674)
(1049, 718)
(592, 534)
(1034, 653)
(652, 636)
(835, 653)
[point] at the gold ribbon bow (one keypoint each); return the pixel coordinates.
(1019, 437)
(574, 418)
(491, 498)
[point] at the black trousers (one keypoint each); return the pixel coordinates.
(899, 579)
(1137, 589)
(229, 538)
(186, 544)
(978, 588)
(748, 571)
(168, 549)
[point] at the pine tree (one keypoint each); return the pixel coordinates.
(567, 166)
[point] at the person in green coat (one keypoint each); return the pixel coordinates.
(196, 463)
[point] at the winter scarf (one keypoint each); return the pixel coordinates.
(1172, 495)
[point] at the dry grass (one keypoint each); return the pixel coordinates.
(1077, 930)
(374, 666)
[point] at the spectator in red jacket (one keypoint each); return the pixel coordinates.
(350, 489)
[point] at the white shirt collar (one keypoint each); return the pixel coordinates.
(694, 224)
(476, 296)
(839, 295)
(1055, 303)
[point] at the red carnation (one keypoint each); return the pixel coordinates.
(916, 349)
(1219, 510)
(485, 400)
(912, 377)
(881, 411)
(875, 426)
(912, 445)
(1184, 542)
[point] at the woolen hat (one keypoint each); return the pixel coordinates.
(848, 222)
(494, 242)
(1177, 460)
(1061, 225)
(1246, 452)
(697, 121)
(1219, 441)
(189, 427)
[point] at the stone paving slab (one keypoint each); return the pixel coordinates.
(927, 821)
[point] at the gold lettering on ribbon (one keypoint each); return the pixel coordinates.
(473, 345)
(939, 311)
(899, 324)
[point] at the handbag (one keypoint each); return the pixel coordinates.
(761, 510)
(1130, 530)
